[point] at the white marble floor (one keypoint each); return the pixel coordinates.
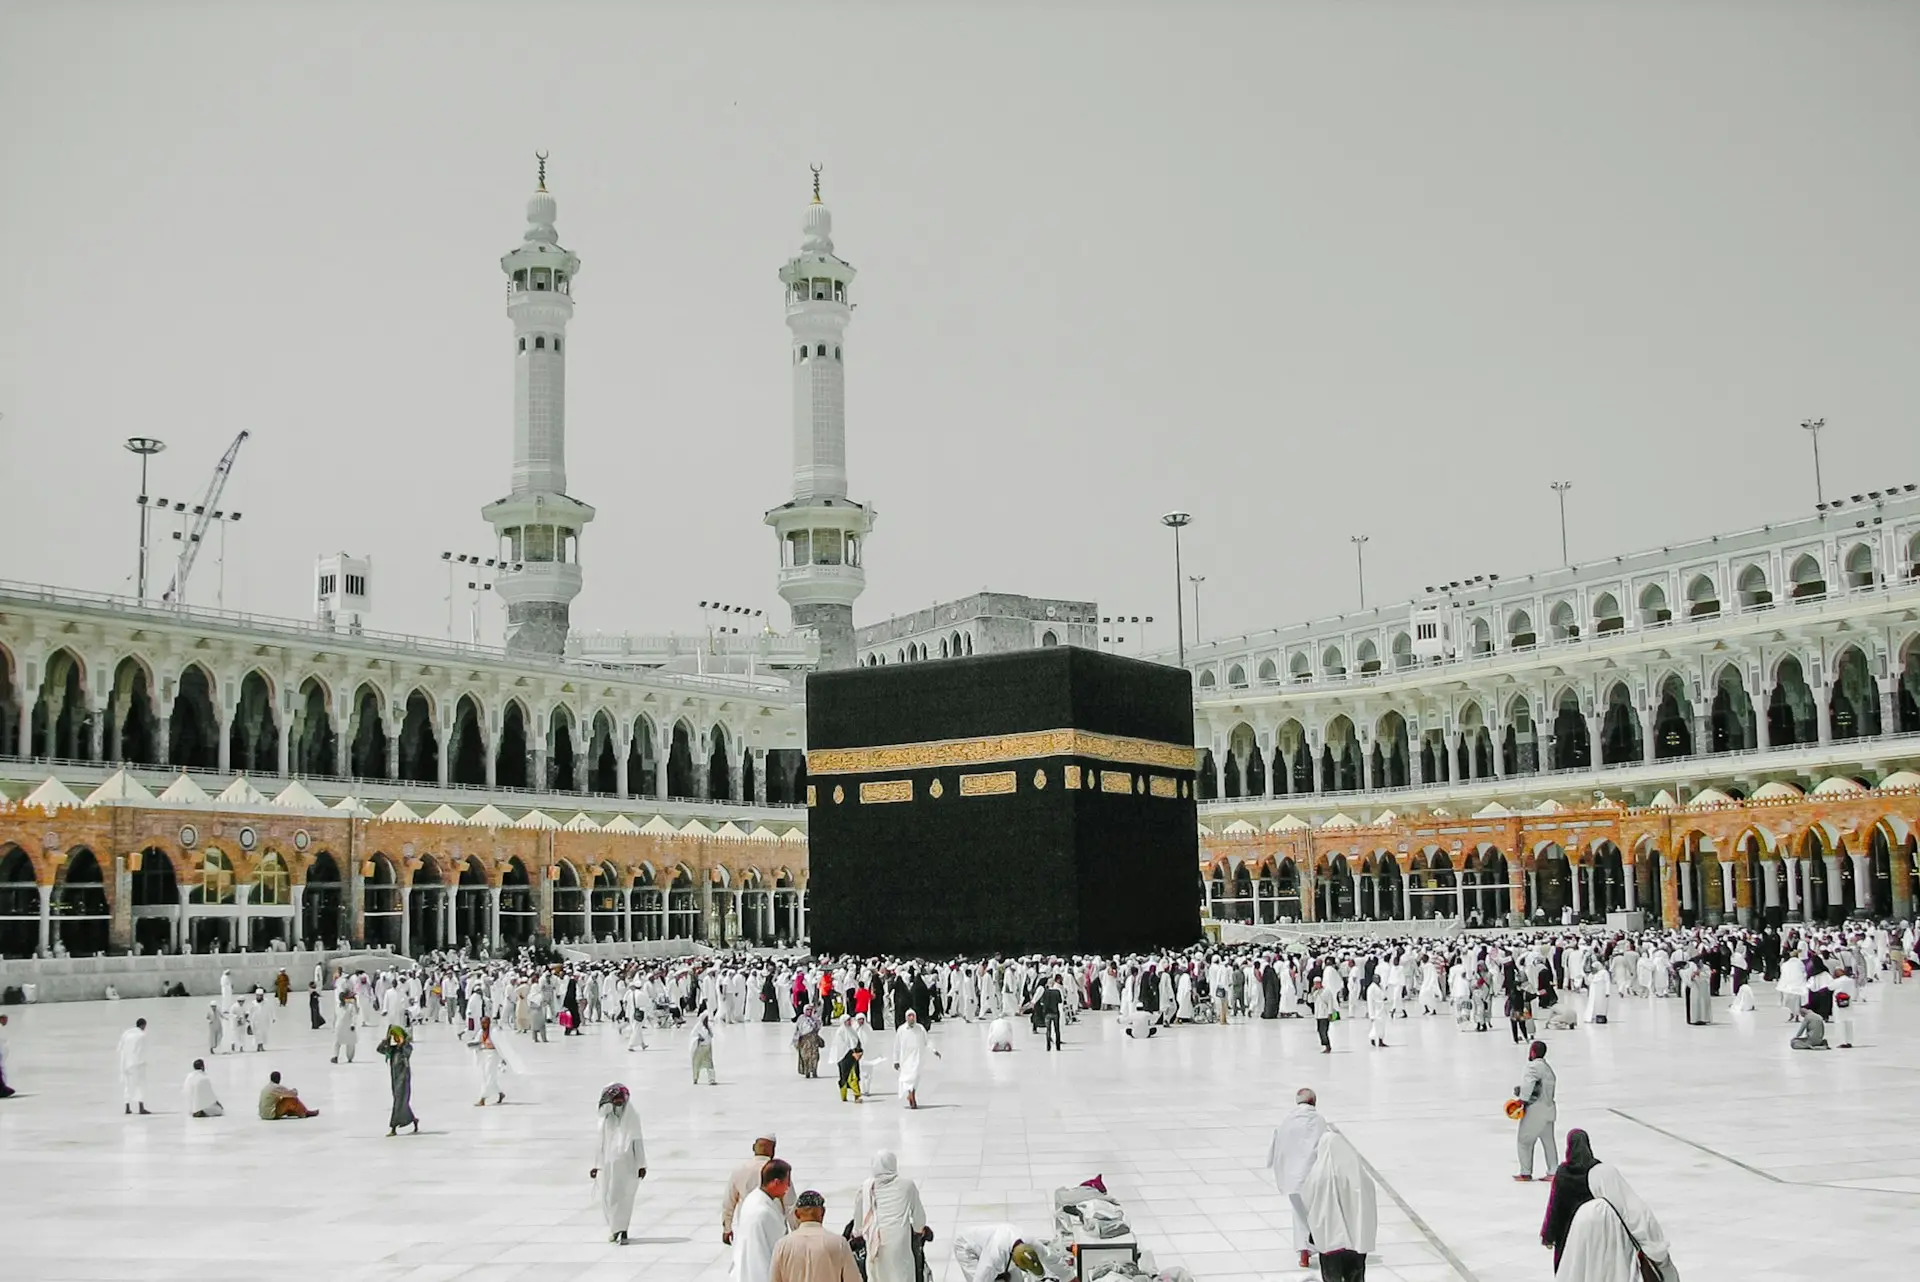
(1764, 1163)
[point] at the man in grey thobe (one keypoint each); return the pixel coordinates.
(1536, 1125)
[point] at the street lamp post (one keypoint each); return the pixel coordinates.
(1178, 521)
(146, 447)
(1561, 488)
(1196, 580)
(1359, 542)
(1813, 427)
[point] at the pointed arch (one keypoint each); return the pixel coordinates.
(314, 749)
(193, 728)
(467, 746)
(1673, 720)
(133, 731)
(368, 734)
(513, 760)
(1792, 717)
(1572, 744)
(562, 767)
(1732, 720)
(419, 739)
(1854, 707)
(680, 776)
(254, 738)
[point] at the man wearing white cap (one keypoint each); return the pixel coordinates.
(744, 1180)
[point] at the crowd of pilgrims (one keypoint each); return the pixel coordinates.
(1527, 979)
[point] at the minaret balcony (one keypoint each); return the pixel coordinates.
(539, 581)
(822, 584)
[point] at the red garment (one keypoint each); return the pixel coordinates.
(862, 999)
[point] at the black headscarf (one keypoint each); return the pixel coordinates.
(1570, 1193)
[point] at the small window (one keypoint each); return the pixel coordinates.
(540, 343)
(556, 344)
(836, 353)
(1048, 640)
(839, 292)
(820, 350)
(803, 353)
(523, 344)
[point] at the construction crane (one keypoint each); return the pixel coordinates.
(205, 513)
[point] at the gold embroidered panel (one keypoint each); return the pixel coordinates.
(1116, 781)
(1162, 786)
(882, 791)
(998, 784)
(1073, 776)
(998, 748)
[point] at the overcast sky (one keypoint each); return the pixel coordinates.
(1304, 270)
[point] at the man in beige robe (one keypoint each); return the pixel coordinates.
(810, 1253)
(745, 1179)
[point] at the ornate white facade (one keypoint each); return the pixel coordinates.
(1782, 652)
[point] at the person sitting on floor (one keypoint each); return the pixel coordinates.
(201, 1101)
(278, 1101)
(1813, 1033)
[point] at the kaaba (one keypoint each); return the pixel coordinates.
(1041, 801)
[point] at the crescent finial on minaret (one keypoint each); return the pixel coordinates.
(541, 156)
(816, 183)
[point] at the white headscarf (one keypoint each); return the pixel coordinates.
(884, 1199)
(1598, 1249)
(1605, 1181)
(1339, 1198)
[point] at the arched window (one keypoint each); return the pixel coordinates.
(1206, 680)
(1237, 676)
(1048, 639)
(1520, 634)
(803, 352)
(1752, 588)
(1368, 656)
(1331, 663)
(1703, 599)
(1300, 668)
(821, 350)
(943, 648)
(1267, 671)
(523, 344)
(1402, 650)
(836, 353)
(1860, 566)
(540, 343)
(556, 344)
(1653, 605)
(1809, 582)
(1606, 614)
(1561, 625)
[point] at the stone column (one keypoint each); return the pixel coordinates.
(1517, 895)
(1648, 740)
(46, 919)
(493, 758)
(1862, 884)
(493, 919)
(449, 905)
(1889, 709)
(663, 753)
(1763, 732)
(537, 773)
(1632, 874)
(1791, 866)
(1900, 864)
(1770, 883)
(393, 755)
(1669, 893)
(1686, 884)
(1359, 904)
(446, 756)
(242, 924)
(98, 727)
(1460, 894)
(545, 900)
(295, 931)
(1576, 876)
(120, 908)
(406, 915)
(1833, 882)
(356, 903)
(226, 736)
(626, 915)
(1823, 710)
(622, 751)
(182, 934)
(1729, 893)
(759, 776)
(1533, 891)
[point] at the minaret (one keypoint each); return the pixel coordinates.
(822, 532)
(539, 524)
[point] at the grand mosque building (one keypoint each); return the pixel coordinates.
(1724, 730)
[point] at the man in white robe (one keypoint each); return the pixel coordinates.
(620, 1161)
(1599, 994)
(1290, 1155)
(132, 1054)
(759, 1222)
(986, 1252)
(198, 1093)
(910, 1046)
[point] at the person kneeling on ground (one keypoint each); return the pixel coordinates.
(1000, 1035)
(278, 1101)
(1813, 1033)
(201, 1101)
